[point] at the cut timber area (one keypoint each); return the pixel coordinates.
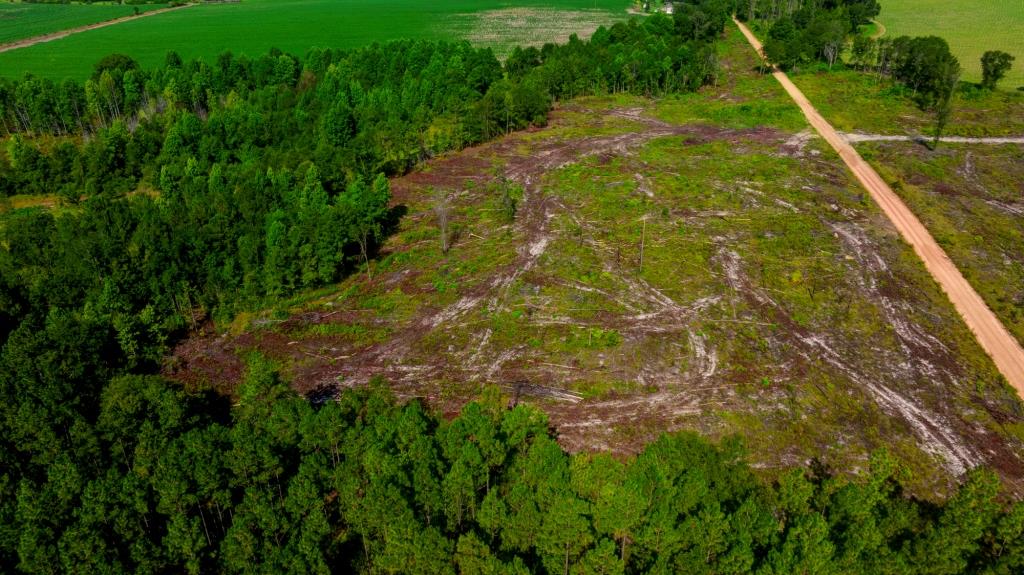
(26, 42)
(1000, 345)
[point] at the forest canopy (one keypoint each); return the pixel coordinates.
(198, 189)
(163, 480)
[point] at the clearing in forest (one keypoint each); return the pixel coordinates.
(254, 27)
(698, 262)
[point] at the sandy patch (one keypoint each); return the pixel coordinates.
(505, 28)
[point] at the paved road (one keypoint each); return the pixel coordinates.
(26, 42)
(1004, 349)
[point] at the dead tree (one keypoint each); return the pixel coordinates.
(442, 210)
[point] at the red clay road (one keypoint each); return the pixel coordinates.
(26, 42)
(1004, 349)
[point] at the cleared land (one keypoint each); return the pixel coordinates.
(253, 27)
(698, 262)
(20, 21)
(992, 335)
(969, 26)
(972, 200)
(968, 196)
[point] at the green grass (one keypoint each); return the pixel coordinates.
(252, 27)
(870, 30)
(857, 101)
(19, 20)
(970, 27)
(740, 99)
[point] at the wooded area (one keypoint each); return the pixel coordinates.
(159, 480)
(194, 191)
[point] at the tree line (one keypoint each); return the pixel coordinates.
(801, 33)
(804, 31)
(160, 480)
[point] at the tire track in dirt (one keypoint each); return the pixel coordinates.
(689, 374)
(935, 433)
(993, 337)
(880, 31)
(537, 210)
(404, 358)
(42, 38)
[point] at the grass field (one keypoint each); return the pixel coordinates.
(970, 27)
(854, 101)
(19, 20)
(254, 26)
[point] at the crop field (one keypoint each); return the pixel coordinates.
(19, 20)
(970, 27)
(697, 262)
(255, 26)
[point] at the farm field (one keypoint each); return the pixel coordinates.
(971, 28)
(20, 20)
(255, 26)
(696, 262)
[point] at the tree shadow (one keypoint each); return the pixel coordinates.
(393, 219)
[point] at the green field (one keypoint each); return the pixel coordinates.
(18, 20)
(970, 27)
(254, 26)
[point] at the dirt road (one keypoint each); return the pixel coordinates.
(1004, 349)
(856, 137)
(25, 43)
(880, 31)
